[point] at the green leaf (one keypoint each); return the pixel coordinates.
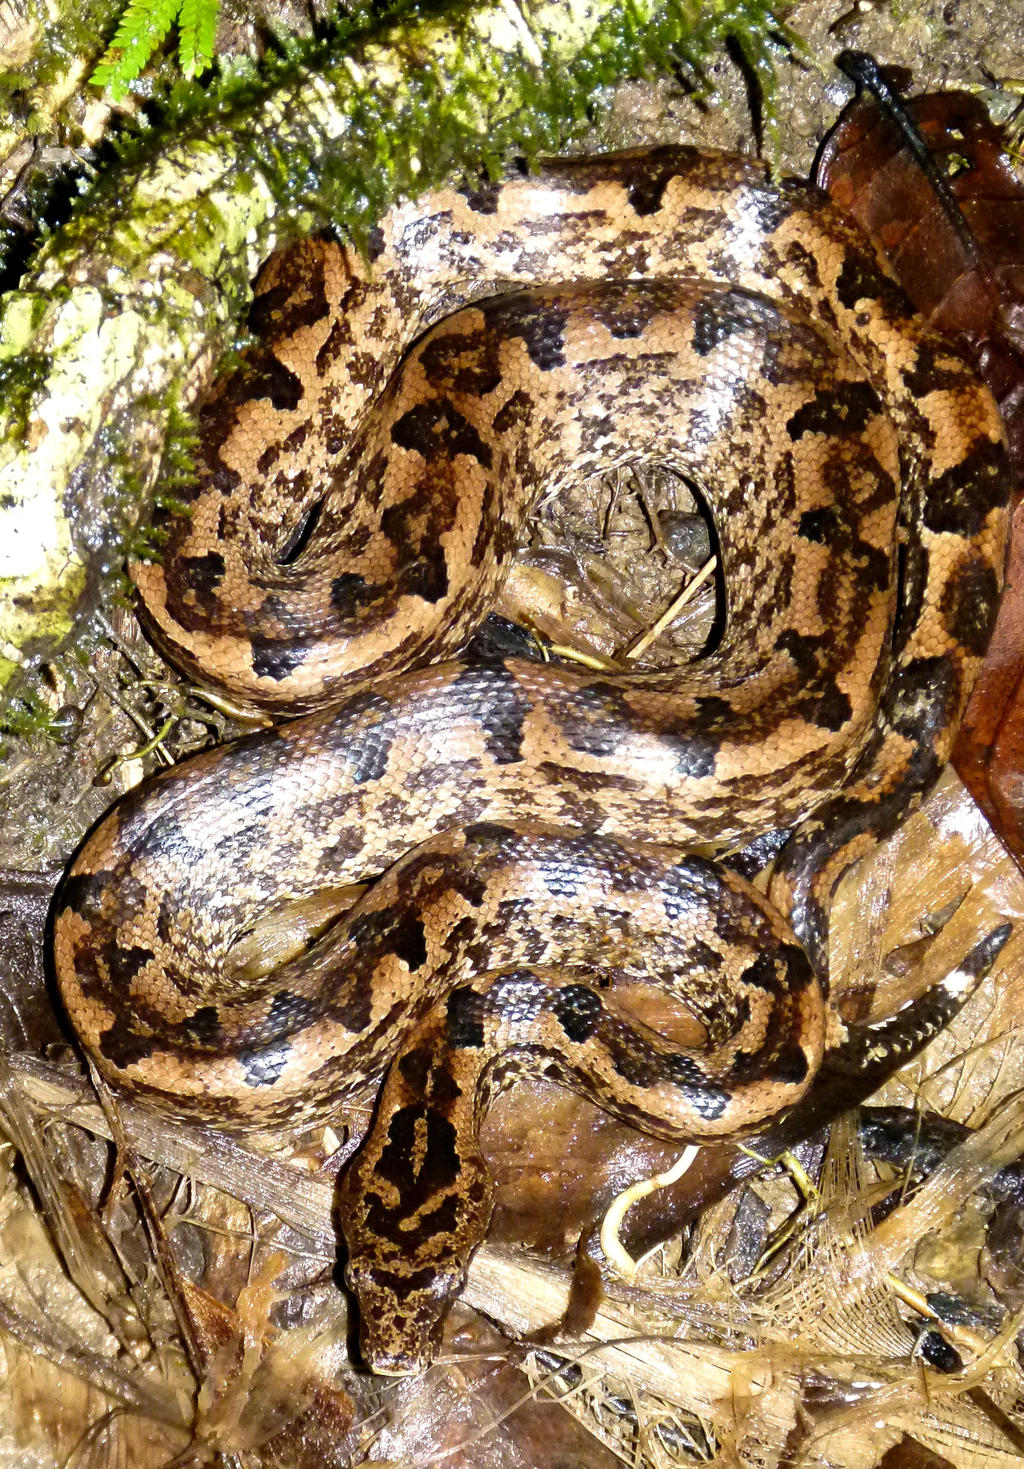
(197, 24)
(143, 26)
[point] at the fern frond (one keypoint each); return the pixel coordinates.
(197, 27)
(143, 26)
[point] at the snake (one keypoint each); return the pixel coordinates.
(549, 844)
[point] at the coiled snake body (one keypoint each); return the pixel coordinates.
(668, 307)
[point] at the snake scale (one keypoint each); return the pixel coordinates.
(543, 830)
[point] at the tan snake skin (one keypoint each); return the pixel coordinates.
(350, 522)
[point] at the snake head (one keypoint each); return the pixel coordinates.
(401, 1311)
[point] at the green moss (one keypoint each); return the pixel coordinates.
(48, 618)
(28, 716)
(555, 107)
(439, 120)
(761, 47)
(22, 378)
(145, 541)
(65, 34)
(403, 140)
